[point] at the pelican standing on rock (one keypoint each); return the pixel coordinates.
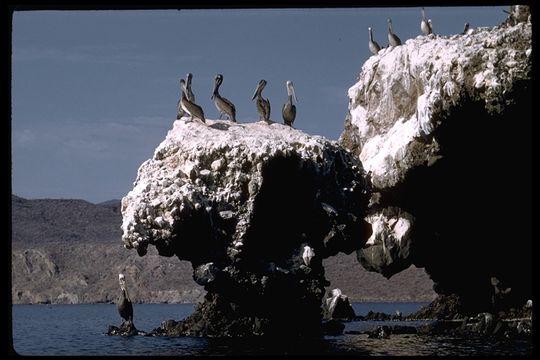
(393, 39)
(308, 255)
(373, 46)
(223, 105)
(289, 109)
(263, 105)
(425, 26)
(124, 305)
(465, 29)
(190, 107)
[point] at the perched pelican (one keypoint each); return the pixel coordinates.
(425, 26)
(223, 105)
(465, 28)
(190, 107)
(189, 93)
(125, 308)
(373, 46)
(308, 255)
(393, 39)
(289, 110)
(263, 105)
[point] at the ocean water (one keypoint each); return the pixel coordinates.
(80, 330)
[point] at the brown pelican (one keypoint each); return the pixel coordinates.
(465, 28)
(289, 110)
(373, 46)
(263, 105)
(190, 107)
(308, 255)
(125, 308)
(425, 26)
(179, 111)
(393, 39)
(223, 105)
(189, 93)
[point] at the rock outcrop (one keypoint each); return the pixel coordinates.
(442, 124)
(337, 306)
(243, 203)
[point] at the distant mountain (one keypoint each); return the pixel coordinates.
(70, 251)
(64, 220)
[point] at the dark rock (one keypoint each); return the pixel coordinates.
(444, 307)
(126, 329)
(337, 306)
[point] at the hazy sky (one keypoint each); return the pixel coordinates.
(94, 92)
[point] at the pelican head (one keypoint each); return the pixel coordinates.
(183, 87)
(122, 281)
(259, 88)
(218, 79)
(290, 90)
(423, 14)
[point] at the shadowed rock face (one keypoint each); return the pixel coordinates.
(444, 126)
(242, 202)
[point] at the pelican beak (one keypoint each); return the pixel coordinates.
(256, 91)
(294, 93)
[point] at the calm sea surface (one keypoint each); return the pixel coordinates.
(80, 330)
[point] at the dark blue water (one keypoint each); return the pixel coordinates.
(80, 330)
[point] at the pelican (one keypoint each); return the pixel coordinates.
(289, 110)
(308, 255)
(393, 39)
(190, 107)
(223, 105)
(189, 93)
(179, 111)
(373, 46)
(263, 105)
(425, 26)
(125, 308)
(465, 28)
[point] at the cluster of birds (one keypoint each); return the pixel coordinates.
(393, 40)
(187, 105)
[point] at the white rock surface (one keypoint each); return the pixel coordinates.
(402, 92)
(219, 167)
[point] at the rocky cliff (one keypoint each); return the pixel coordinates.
(255, 208)
(442, 124)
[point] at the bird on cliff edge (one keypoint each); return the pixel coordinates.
(124, 305)
(263, 105)
(393, 39)
(223, 105)
(373, 45)
(425, 26)
(308, 255)
(189, 106)
(289, 109)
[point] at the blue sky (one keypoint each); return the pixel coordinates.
(94, 92)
